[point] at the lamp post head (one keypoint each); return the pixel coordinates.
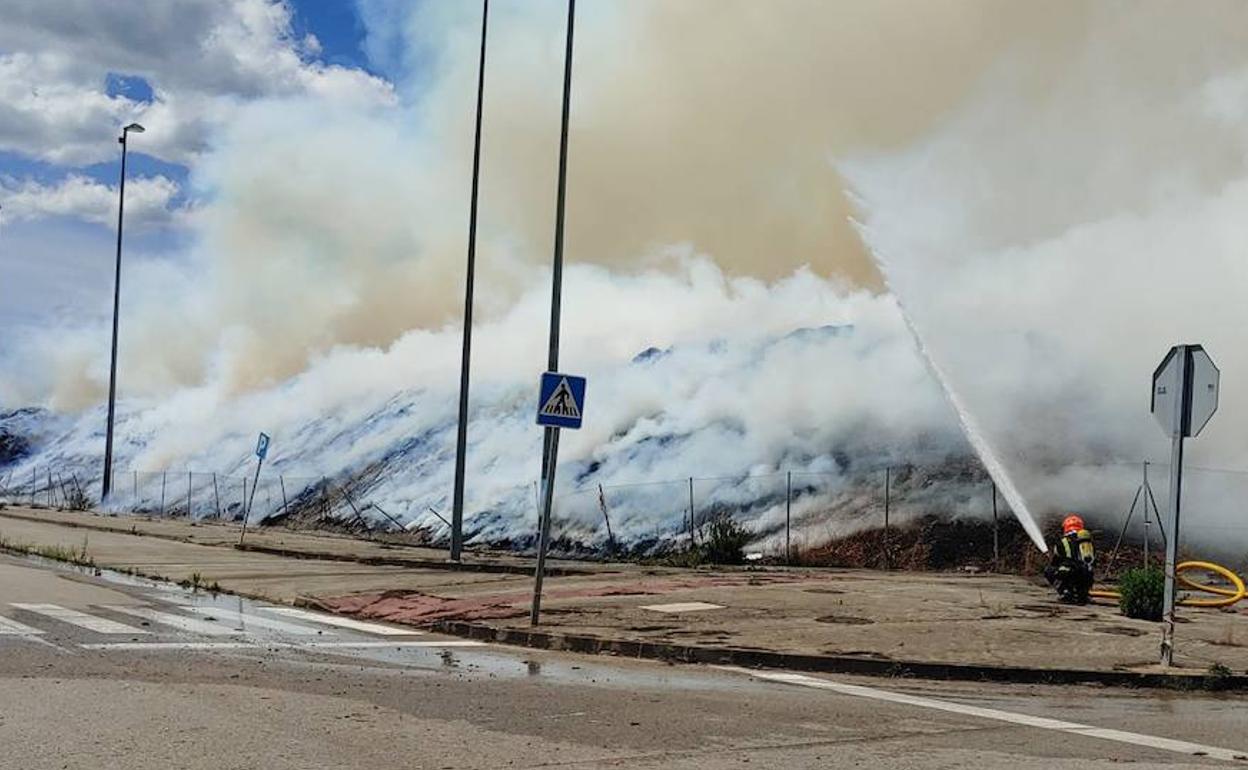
(135, 127)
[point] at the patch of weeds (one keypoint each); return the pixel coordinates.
(725, 540)
(197, 582)
(77, 556)
(1218, 677)
(690, 558)
(1142, 592)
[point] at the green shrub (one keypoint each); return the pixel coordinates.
(1141, 593)
(725, 540)
(1218, 677)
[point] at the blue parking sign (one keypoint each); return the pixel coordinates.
(262, 446)
(561, 403)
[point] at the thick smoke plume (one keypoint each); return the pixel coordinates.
(1059, 233)
(711, 123)
(1054, 188)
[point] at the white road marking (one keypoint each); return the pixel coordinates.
(385, 645)
(240, 620)
(1043, 723)
(180, 622)
(80, 619)
(683, 607)
(155, 646)
(261, 645)
(341, 622)
(13, 628)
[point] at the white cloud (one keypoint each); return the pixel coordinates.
(147, 200)
(203, 59)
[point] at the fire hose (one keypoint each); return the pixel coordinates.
(1222, 597)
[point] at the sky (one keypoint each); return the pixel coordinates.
(72, 73)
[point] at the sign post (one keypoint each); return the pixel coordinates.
(1185, 396)
(262, 451)
(560, 404)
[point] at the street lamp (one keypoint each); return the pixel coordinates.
(112, 369)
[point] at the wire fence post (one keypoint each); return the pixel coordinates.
(282, 481)
(602, 503)
(996, 541)
(216, 495)
(888, 477)
(189, 483)
(788, 515)
(692, 529)
(164, 477)
(1144, 485)
(50, 487)
(242, 502)
(135, 502)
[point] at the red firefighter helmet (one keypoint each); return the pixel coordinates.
(1072, 524)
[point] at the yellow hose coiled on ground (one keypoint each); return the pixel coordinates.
(1223, 597)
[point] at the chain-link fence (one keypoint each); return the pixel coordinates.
(787, 516)
(46, 486)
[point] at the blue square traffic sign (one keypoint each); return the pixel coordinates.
(561, 403)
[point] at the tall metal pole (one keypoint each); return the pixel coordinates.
(251, 499)
(543, 535)
(550, 441)
(1182, 405)
(112, 369)
(461, 439)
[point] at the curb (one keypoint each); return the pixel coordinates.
(7, 514)
(831, 664)
(398, 561)
(377, 561)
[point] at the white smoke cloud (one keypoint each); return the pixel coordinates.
(1052, 250)
(718, 399)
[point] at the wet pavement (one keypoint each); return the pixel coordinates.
(980, 619)
(106, 670)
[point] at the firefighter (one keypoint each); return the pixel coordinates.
(1070, 572)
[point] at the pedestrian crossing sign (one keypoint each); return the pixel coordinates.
(561, 403)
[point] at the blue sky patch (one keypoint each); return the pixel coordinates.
(337, 26)
(131, 87)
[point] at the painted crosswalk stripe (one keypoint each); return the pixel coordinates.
(80, 619)
(389, 645)
(341, 622)
(180, 622)
(193, 646)
(259, 645)
(13, 628)
(1043, 723)
(241, 621)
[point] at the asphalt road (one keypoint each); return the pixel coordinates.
(106, 672)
